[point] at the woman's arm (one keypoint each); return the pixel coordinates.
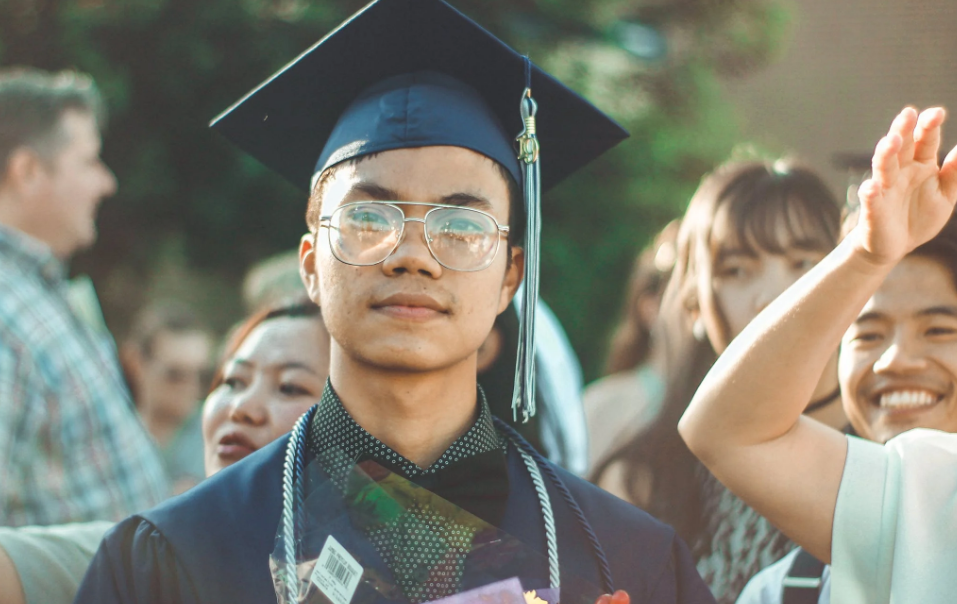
(745, 421)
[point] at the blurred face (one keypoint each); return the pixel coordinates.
(277, 373)
(171, 380)
(409, 313)
(73, 185)
(746, 278)
(898, 362)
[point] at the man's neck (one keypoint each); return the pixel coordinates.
(419, 415)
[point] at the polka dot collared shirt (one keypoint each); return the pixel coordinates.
(333, 428)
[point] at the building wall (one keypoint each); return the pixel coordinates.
(847, 67)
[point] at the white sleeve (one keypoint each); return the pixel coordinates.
(766, 586)
(895, 523)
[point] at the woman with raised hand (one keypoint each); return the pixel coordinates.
(882, 515)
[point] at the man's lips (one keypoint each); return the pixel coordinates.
(235, 446)
(411, 306)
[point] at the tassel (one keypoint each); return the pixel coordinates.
(523, 397)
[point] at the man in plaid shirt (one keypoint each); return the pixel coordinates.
(71, 445)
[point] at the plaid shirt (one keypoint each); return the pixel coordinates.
(71, 445)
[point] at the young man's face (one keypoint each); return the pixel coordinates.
(73, 185)
(409, 313)
(898, 362)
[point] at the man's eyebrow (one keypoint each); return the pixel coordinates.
(948, 311)
(375, 192)
(467, 199)
(869, 316)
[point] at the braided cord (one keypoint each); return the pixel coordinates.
(608, 584)
(292, 499)
(551, 536)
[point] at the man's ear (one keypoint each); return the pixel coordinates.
(308, 271)
(22, 172)
(513, 278)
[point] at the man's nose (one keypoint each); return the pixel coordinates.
(412, 255)
(902, 356)
(109, 182)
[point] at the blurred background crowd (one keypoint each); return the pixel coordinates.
(654, 258)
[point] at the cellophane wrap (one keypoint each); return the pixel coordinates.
(410, 545)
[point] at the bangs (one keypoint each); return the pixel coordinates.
(773, 212)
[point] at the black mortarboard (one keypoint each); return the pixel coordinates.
(415, 73)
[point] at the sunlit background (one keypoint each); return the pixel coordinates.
(693, 80)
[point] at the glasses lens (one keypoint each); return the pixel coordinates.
(364, 234)
(462, 239)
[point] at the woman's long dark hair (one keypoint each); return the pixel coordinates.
(759, 197)
(631, 340)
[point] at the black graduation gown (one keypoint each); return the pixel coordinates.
(212, 544)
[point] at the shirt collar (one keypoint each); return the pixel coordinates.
(333, 428)
(31, 253)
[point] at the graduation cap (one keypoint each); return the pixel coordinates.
(416, 73)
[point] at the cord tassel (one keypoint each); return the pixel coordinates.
(523, 398)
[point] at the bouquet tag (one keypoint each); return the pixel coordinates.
(336, 573)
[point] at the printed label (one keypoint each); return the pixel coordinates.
(337, 573)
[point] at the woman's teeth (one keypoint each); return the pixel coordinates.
(907, 399)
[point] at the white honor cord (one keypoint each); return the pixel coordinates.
(292, 483)
(545, 503)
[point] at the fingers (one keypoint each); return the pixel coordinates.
(885, 166)
(948, 176)
(927, 135)
(903, 126)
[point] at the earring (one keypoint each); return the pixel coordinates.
(698, 330)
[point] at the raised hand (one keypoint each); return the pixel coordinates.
(909, 198)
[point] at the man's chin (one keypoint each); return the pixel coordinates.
(405, 359)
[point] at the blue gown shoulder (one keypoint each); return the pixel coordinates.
(212, 544)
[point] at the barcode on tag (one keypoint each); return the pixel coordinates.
(336, 573)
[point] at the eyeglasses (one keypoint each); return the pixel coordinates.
(365, 233)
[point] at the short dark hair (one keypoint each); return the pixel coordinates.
(942, 249)
(33, 101)
(516, 203)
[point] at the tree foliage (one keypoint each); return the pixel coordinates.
(168, 66)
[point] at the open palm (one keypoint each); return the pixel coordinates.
(909, 198)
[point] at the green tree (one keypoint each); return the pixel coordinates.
(168, 66)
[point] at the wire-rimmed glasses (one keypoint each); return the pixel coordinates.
(365, 233)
